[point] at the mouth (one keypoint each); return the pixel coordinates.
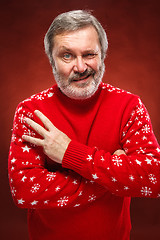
(82, 79)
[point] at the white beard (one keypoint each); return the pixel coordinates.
(79, 90)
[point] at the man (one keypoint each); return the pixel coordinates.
(82, 148)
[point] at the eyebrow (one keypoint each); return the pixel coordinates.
(63, 48)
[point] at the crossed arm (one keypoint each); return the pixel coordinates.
(134, 174)
(54, 142)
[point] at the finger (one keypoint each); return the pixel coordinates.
(47, 123)
(38, 128)
(119, 152)
(36, 141)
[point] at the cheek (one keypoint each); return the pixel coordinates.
(63, 69)
(95, 64)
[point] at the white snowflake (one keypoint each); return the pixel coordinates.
(50, 176)
(13, 191)
(102, 159)
(19, 109)
(24, 126)
(92, 198)
(140, 110)
(30, 115)
(20, 201)
(57, 188)
(38, 157)
(75, 182)
(149, 161)
(141, 150)
(12, 168)
(131, 178)
(76, 205)
(23, 179)
(62, 201)
(124, 134)
(114, 179)
(137, 133)
(21, 118)
(32, 178)
(158, 150)
(34, 202)
(89, 158)
(139, 123)
(138, 162)
(26, 149)
(147, 117)
(50, 94)
(146, 128)
(13, 160)
(95, 176)
(29, 132)
(39, 97)
(35, 188)
(117, 160)
(146, 191)
(80, 193)
(152, 178)
(13, 139)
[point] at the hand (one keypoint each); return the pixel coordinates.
(119, 152)
(54, 142)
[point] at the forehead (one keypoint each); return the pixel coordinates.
(82, 39)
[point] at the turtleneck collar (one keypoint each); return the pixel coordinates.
(82, 102)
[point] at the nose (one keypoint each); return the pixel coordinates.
(80, 65)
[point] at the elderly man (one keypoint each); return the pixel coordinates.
(82, 148)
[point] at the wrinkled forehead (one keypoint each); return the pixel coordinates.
(84, 38)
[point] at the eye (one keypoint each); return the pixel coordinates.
(90, 55)
(67, 56)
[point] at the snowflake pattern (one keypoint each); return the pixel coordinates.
(152, 178)
(21, 118)
(140, 110)
(89, 157)
(146, 191)
(13, 139)
(35, 188)
(63, 201)
(131, 177)
(146, 129)
(13, 191)
(117, 160)
(50, 176)
(92, 198)
(57, 188)
(136, 127)
(20, 201)
(48, 93)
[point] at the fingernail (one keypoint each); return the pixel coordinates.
(36, 111)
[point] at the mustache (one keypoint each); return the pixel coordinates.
(78, 75)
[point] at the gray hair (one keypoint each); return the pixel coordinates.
(72, 21)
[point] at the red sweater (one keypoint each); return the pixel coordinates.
(88, 197)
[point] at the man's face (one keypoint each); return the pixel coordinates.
(78, 68)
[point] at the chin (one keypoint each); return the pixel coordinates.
(81, 92)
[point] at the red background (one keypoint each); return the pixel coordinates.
(132, 64)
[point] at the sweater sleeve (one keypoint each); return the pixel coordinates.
(136, 174)
(32, 184)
